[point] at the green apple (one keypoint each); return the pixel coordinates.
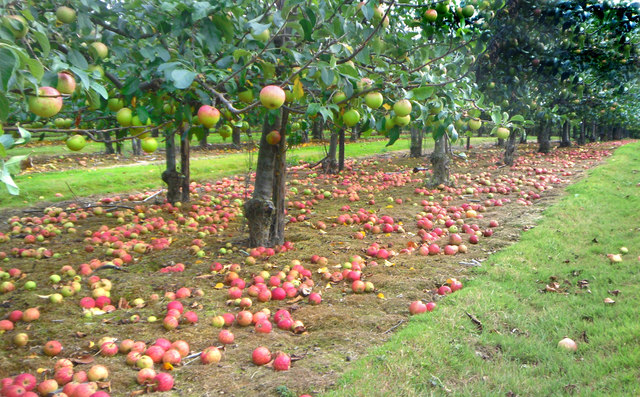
(16, 24)
(402, 108)
(124, 117)
(149, 145)
(47, 104)
(431, 15)
(98, 50)
(351, 117)
(338, 97)
(66, 14)
(374, 100)
(402, 121)
(475, 124)
(262, 36)
(502, 133)
(76, 143)
(115, 104)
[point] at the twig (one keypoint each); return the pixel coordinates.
(474, 320)
(394, 327)
(72, 192)
(153, 195)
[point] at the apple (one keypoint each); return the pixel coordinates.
(98, 50)
(374, 100)
(273, 138)
(262, 36)
(351, 117)
(149, 145)
(431, 15)
(246, 96)
(16, 24)
(52, 348)
(76, 142)
(48, 102)
(402, 108)
(468, 11)
(402, 121)
(208, 116)
(210, 355)
(502, 133)
(272, 97)
(124, 117)
(225, 131)
(136, 122)
(475, 124)
(20, 339)
(115, 104)
(417, 307)
(338, 97)
(66, 83)
(97, 373)
(66, 14)
(261, 356)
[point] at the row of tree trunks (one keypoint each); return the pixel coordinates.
(565, 139)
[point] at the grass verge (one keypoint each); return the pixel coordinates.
(84, 182)
(516, 353)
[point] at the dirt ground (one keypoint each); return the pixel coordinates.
(338, 331)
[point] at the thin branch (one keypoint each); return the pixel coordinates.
(119, 31)
(202, 81)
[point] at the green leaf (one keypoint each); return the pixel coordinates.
(496, 117)
(5, 177)
(97, 87)
(239, 53)
(25, 136)
(268, 69)
(8, 64)
(7, 141)
(182, 78)
(143, 115)
(421, 93)
(43, 41)
(518, 118)
(131, 85)
(13, 164)
(327, 75)
(84, 77)
(3, 152)
(201, 10)
(77, 59)
(4, 107)
(36, 68)
(308, 29)
(393, 135)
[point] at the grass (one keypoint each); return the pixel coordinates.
(516, 353)
(84, 182)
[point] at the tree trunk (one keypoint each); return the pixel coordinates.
(468, 146)
(260, 209)
(108, 145)
(543, 138)
(415, 150)
(330, 164)
(185, 149)
(582, 136)
(523, 137)
(355, 134)
(155, 133)
(171, 176)
(316, 130)
(510, 149)
(592, 133)
(617, 133)
(304, 135)
(136, 146)
(565, 138)
(341, 151)
(235, 136)
(203, 139)
(500, 142)
(279, 181)
(439, 163)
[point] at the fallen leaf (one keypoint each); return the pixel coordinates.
(86, 359)
(609, 301)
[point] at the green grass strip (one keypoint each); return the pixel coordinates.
(443, 353)
(128, 178)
